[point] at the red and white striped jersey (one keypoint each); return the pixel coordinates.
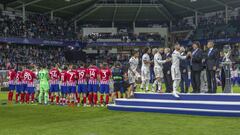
(64, 78)
(54, 76)
(12, 76)
(72, 77)
(105, 75)
(19, 77)
(93, 73)
(29, 77)
(82, 75)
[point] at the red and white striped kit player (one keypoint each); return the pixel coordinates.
(54, 76)
(72, 80)
(105, 75)
(82, 84)
(64, 87)
(11, 83)
(12, 76)
(19, 78)
(82, 75)
(64, 78)
(19, 86)
(93, 73)
(29, 76)
(24, 80)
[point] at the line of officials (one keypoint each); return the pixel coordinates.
(202, 61)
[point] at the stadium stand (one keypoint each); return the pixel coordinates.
(36, 26)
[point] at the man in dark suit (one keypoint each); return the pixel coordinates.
(212, 64)
(196, 67)
(184, 67)
(167, 71)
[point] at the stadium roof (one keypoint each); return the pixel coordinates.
(122, 10)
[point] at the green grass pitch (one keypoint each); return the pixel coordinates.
(56, 120)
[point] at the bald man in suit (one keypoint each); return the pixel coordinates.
(212, 62)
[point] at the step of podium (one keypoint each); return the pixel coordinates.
(188, 111)
(214, 105)
(190, 96)
(193, 104)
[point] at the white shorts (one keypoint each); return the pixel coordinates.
(176, 74)
(145, 74)
(158, 72)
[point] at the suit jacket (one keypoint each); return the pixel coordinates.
(212, 59)
(184, 64)
(167, 65)
(197, 60)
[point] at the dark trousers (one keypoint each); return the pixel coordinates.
(195, 77)
(212, 84)
(223, 79)
(184, 84)
(168, 81)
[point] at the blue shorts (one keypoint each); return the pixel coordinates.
(54, 88)
(82, 88)
(11, 87)
(19, 88)
(24, 87)
(104, 88)
(71, 89)
(30, 90)
(64, 89)
(118, 87)
(93, 88)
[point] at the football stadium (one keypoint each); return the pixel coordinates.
(119, 67)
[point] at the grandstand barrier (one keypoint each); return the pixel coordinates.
(191, 104)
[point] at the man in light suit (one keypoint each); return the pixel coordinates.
(212, 63)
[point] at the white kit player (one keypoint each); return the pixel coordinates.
(175, 68)
(145, 70)
(158, 69)
(133, 75)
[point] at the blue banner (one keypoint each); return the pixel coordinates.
(33, 41)
(125, 43)
(216, 41)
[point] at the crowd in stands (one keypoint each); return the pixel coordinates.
(125, 37)
(215, 27)
(181, 25)
(36, 26)
(25, 54)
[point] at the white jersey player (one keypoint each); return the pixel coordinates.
(132, 71)
(145, 70)
(158, 70)
(175, 68)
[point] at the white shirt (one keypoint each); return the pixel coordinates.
(176, 56)
(133, 62)
(158, 60)
(145, 57)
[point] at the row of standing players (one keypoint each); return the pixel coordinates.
(67, 85)
(173, 67)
